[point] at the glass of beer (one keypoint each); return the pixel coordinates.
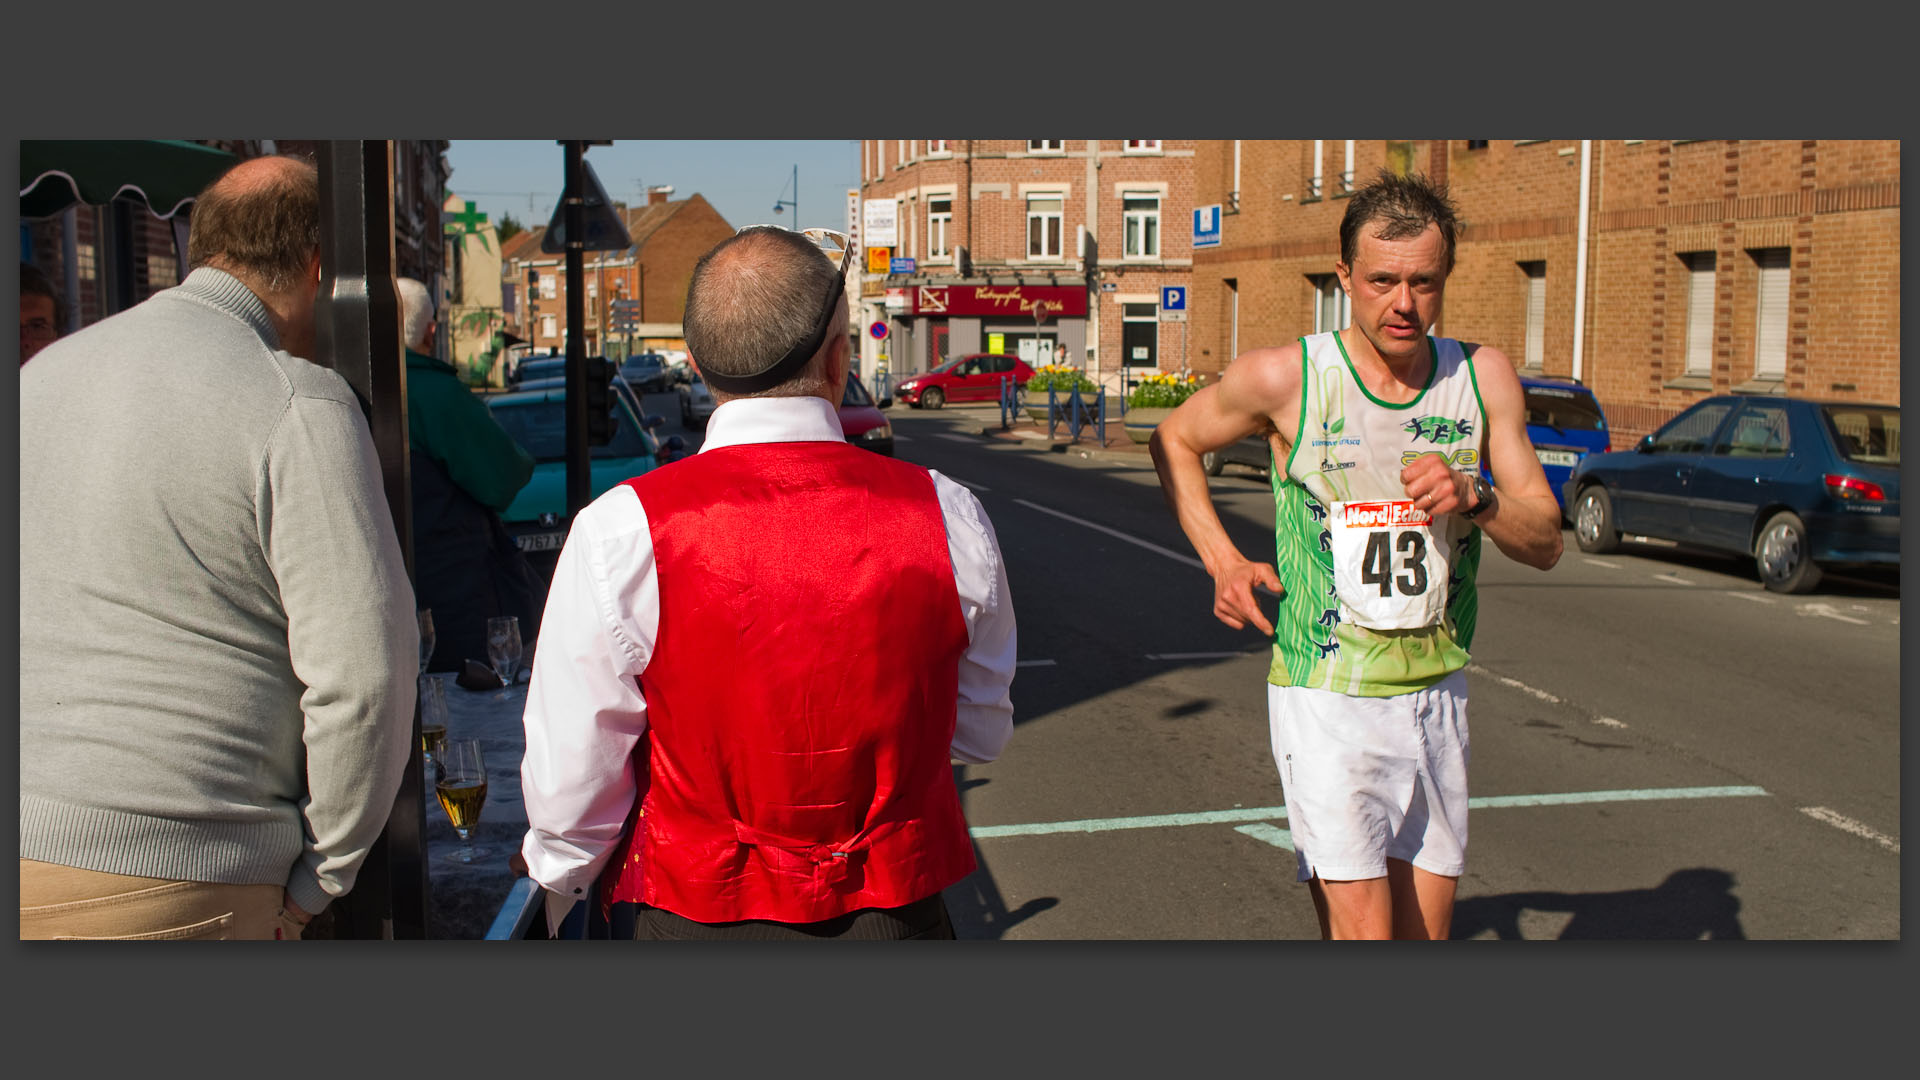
(433, 721)
(462, 789)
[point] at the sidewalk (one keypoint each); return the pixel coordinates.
(1119, 448)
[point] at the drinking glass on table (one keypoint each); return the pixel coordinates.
(433, 722)
(426, 638)
(503, 647)
(462, 790)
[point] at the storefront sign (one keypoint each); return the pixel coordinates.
(881, 221)
(878, 259)
(1012, 301)
(896, 299)
(997, 343)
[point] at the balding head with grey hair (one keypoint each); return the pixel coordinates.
(416, 314)
(755, 297)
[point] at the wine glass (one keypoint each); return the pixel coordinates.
(425, 616)
(503, 648)
(462, 789)
(433, 722)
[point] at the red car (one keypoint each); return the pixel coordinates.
(969, 378)
(861, 422)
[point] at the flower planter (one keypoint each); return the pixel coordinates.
(1141, 422)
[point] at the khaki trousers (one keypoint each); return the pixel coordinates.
(69, 904)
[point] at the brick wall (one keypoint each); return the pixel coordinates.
(1834, 204)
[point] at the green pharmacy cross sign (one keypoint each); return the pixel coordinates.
(472, 220)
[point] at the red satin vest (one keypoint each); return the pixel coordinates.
(801, 694)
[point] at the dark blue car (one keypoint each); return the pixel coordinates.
(1565, 424)
(1796, 484)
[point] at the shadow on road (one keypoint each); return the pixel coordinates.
(1689, 905)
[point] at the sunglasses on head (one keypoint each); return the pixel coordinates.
(838, 247)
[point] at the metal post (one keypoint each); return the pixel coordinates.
(357, 333)
(579, 486)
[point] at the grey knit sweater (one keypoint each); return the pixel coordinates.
(217, 642)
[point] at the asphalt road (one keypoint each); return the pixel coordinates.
(1661, 747)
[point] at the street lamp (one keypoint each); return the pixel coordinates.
(780, 204)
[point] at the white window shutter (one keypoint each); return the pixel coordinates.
(1770, 340)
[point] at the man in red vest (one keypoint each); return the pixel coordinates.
(774, 649)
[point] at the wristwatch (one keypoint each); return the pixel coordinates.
(1483, 492)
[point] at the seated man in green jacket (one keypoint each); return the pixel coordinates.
(465, 469)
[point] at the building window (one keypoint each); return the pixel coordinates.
(549, 326)
(549, 290)
(1476, 144)
(1233, 316)
(1314, 184)
(1140, 215)
(1043, 226)
(1770, 337)
(1346, 174)
(1536, 274)
(83, 261)
(1700, 265)
(163, 271)
(939, 221)
(1330, 310)
(1142, 146)
(900, 156)
(1046, 146)
(939, 148)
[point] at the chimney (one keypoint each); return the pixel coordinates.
(658, 195)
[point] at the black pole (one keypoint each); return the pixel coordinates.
(357, 333)
(579, 485)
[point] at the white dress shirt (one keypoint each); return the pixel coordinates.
(585, 713)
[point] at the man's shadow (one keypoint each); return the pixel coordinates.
(1689, 905)
(974, 902)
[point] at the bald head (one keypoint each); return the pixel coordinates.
(755, 297)
(416, 314)
(260, 221)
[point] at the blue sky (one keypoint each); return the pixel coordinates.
(741, 178)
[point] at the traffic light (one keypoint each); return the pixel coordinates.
(600, 424)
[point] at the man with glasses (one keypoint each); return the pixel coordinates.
(759, 662)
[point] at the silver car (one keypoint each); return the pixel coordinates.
(696, 403)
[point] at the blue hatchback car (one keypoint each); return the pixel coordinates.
(536, 418)
(1565, 424)
(1794, 484)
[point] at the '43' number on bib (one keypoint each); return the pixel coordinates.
(1376, 568)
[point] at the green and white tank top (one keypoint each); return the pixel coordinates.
(1379, 597)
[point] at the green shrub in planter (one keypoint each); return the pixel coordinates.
(1060, 377)
(1162, 391)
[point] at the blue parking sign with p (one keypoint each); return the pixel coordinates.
(1173, 298)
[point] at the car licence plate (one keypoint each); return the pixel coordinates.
(547, 541)
(1557, 457)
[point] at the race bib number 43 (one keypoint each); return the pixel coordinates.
(1389, 568)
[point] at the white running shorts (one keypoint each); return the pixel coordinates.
(1368, 778)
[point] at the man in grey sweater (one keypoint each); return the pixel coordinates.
(217, 637)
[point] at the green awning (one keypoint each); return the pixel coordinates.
(167, 174)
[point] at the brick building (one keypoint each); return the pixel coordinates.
(668, 235)
(125, 252)
(995, 226)
(1710, 265)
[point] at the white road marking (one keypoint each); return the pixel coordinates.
(1117, 534)
(1199, 655)
(1260, 830)
(1279, 813)
(1033, 663)
(1826, 611)
(1755, 597)
(897, 437)
(1608, 721)
(1847, 824)
(1605, 563)
(1515, 683)
(968, 484)
(1675, 578)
